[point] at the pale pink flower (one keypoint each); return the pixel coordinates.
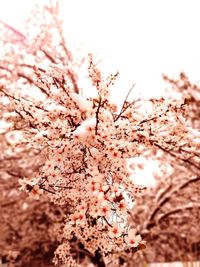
(81, 219)
(115, 231)
(105, 210)
(132, 239)
(77, 218)
(91, 187)
(36, 192)
(122, 207)
(115, 190)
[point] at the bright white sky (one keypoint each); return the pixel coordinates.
(143, 39)
(140, 38)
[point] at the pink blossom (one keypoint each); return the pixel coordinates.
(105, 210)
(115, 231)
(132, 239)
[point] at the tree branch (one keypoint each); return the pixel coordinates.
(167, 198)
(178, 209)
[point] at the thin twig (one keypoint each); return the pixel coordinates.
(123, 106)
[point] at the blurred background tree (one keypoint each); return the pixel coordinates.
(169, 214)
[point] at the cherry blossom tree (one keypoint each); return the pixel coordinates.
(74, 155)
